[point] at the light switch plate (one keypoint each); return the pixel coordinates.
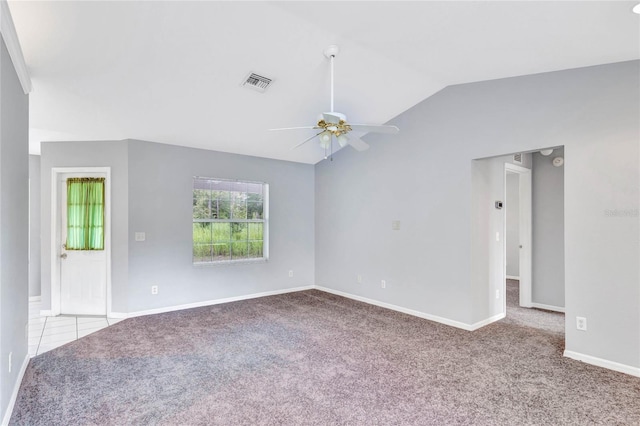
(140, 236)
(395, 225)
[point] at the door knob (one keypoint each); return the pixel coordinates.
(63, 255)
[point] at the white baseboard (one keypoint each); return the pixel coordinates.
(430, 317)
(46, 313)
(14, 394)
(206, 303)
(599, 362)
(35, 298)
(513, 277)
(547, 307)
(487, 321)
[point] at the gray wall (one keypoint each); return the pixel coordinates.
(160, 204)
(14, 213)
(423, 177)
(512, 211)
(547, 274)
(152, 193)
(34, 225)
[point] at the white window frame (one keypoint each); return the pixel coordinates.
(264, 221)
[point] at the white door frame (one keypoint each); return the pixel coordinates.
(55, 230)
(525, 218)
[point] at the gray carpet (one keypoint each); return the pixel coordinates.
(553, 322)
(315, 358)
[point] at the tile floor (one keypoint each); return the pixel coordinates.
(46, 333)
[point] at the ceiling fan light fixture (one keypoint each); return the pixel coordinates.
(343, 140)
(325, 139)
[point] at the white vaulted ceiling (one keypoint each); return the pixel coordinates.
(170, 72)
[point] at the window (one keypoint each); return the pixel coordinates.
(85, 214)
(230, 221)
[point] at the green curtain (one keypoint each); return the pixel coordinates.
(85, 214)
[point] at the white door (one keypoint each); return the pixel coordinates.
(525, 252)
(83, 273)
(525, 238)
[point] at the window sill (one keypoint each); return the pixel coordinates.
(230, 262)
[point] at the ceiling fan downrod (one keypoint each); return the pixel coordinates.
(331, 52)
(331, 60)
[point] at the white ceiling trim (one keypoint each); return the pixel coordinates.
(10, 37)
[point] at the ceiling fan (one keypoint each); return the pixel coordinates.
(334, 124)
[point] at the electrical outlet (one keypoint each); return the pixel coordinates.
(581, 323)
(10, 360)
(291, 274)
(497, 294)
(154, 289)
(359, 279)
(383, 284)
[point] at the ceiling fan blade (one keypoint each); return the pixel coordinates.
(296, 128)
(375, 128)
(305, 141)
(358, 144)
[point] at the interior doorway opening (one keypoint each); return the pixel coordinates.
(540, 240)
(536, 275)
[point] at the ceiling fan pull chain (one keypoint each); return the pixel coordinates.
(331, 143)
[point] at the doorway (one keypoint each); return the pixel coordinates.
(533, 248)
(81, 271)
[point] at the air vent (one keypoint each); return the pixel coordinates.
(517, 158)
(257, 82)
